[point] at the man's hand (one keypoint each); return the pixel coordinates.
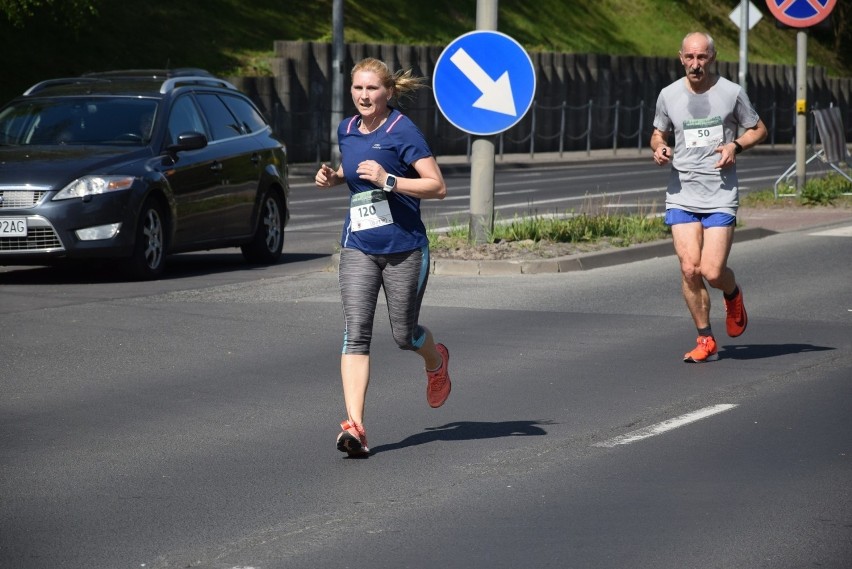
(727, 155)
(662, 155)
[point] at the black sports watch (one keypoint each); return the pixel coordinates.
(737, 147)
(390, 183)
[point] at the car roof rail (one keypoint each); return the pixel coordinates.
(172, 79)
(151, 73)
(210, 81)
(65, 81)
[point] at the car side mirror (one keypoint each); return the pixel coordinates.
(188, 141)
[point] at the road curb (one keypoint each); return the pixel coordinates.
(566, 264)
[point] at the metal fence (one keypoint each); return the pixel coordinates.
(560, 128)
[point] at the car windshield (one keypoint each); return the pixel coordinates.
(78, 120)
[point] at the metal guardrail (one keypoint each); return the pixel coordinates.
(546, 128)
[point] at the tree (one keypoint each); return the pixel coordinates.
(72, 13)
(840, 18)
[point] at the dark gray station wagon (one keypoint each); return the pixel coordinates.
(132, 166)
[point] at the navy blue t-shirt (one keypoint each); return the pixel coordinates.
(396, 145)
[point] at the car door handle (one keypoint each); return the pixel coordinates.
(216, 166)
(255, 158)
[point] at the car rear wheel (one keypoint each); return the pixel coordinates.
(268, 241)
(148, 258)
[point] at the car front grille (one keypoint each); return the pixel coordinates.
(14, 197)
(41, 238)
(38, 239)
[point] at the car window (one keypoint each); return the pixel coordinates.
(183, 118)
(15, 123)
(250, 119)
(222, 122)
(78, 120)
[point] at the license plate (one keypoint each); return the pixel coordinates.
(13, 227)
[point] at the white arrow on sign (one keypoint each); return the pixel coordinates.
(496, 95)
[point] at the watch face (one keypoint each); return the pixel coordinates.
(391, 181)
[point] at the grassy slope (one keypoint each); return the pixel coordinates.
(234, 37)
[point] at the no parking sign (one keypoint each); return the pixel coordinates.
(800, 13)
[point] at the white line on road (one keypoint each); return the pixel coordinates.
(838, 232)
(665, 426)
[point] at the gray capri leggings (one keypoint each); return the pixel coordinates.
(403, 276)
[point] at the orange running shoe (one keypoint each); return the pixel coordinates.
(705, 351)
(736, 318)
(353, 439)
(438, 388)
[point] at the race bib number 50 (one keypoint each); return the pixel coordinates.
(703, 132)
(369, 209)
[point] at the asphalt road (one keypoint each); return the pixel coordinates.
(190, 422)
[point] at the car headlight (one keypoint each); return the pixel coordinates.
(93, 185)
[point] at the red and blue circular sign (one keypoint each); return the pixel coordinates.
(800, 13)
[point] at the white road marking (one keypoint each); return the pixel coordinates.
(837, 232)
(665, 426)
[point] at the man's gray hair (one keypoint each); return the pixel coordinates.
(711, 45)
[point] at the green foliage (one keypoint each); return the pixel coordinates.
(761, 198)
(53, 38)
(818, 191)
(618, 230)
(71, 13)
(825, 191)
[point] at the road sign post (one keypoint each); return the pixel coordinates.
(745, 16)
(481, 221)
(801, 14)
(484, 83)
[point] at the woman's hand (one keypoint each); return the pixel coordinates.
(372, 171)
(327, 176)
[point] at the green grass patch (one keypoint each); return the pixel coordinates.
(825, 190)
(620, 230)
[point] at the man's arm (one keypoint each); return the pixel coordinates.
(751, 136)
(660, 146)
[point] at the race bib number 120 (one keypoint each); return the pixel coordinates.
(703, 132)
(369, 209)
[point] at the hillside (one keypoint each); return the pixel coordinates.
(235, 37)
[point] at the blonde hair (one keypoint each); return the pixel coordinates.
(402, 83)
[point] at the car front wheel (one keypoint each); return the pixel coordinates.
(148, 258)
(268, 241)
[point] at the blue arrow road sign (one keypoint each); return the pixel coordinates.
(484, 82)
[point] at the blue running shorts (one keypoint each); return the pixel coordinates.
(714, 219)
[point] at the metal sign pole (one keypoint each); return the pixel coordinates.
(337, 58)
(744, 8)
(801, 107)
(801, 14)
(482, 154)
